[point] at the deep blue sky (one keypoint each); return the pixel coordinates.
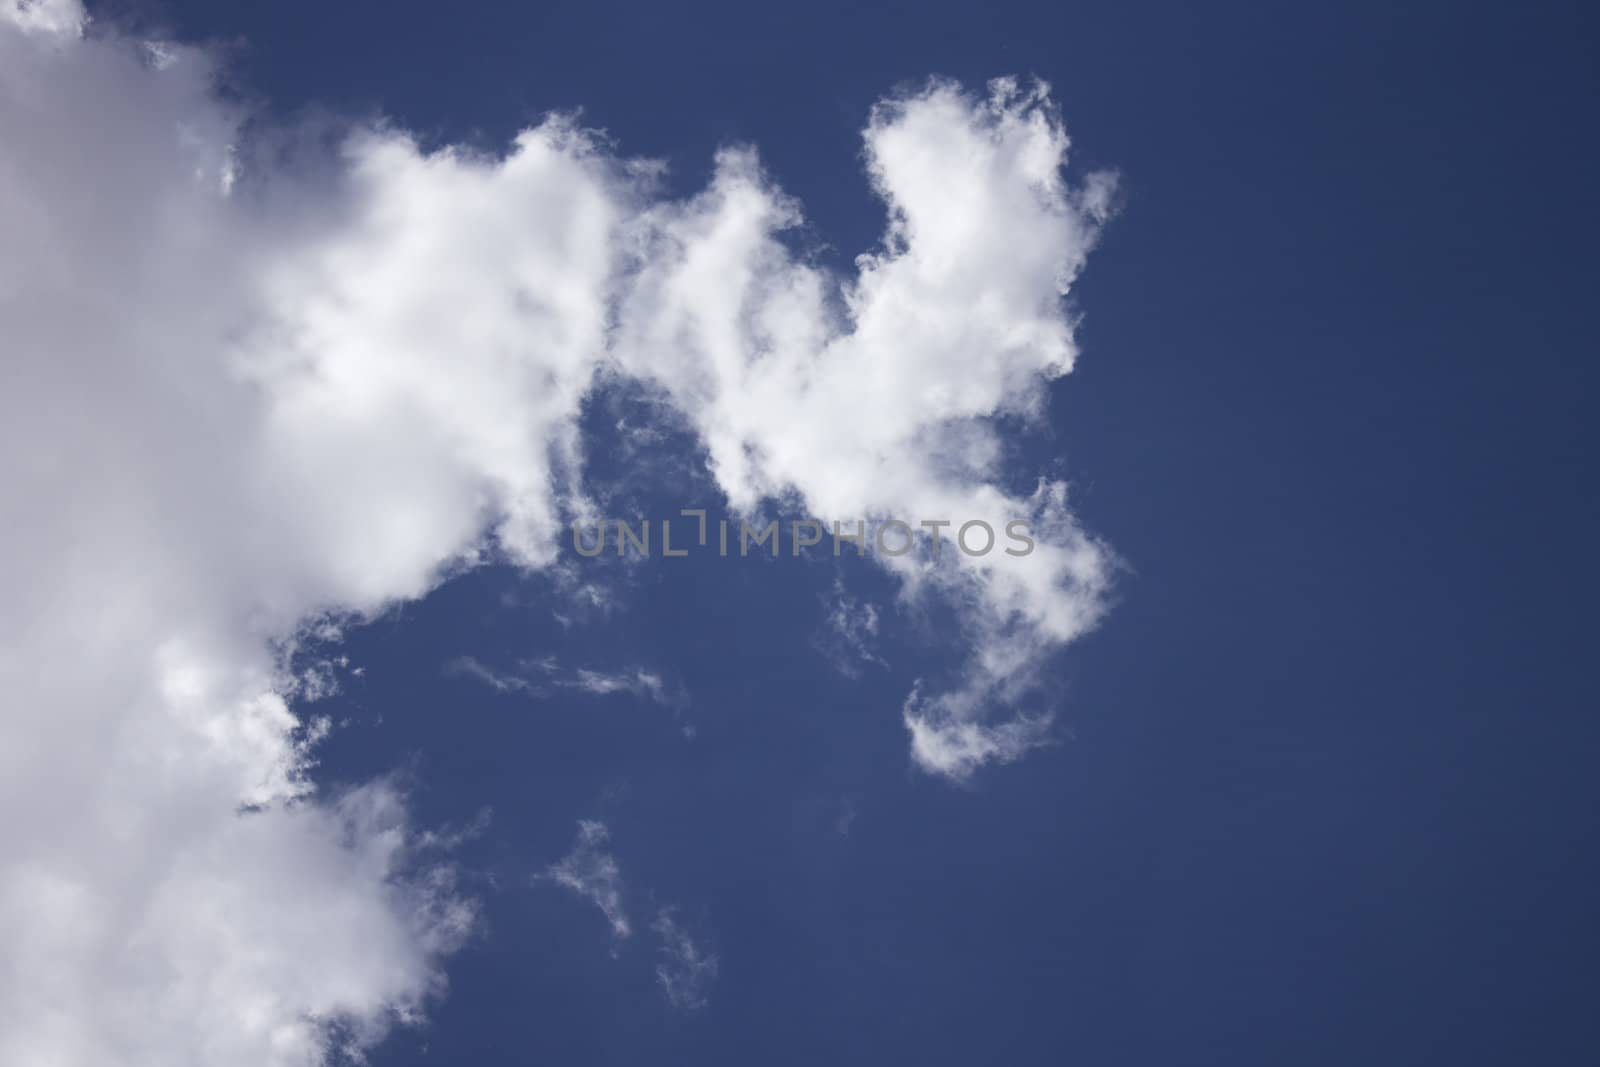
(1328, 795)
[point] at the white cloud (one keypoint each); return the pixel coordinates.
(633, 681)
(874, 399)
(851, 633)
(48, 18)
(686, 970)
(590, 871)
(170, 892)
(499, 681)
(246, 385)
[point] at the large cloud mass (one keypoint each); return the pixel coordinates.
(246, 386)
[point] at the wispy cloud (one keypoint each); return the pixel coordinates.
(543, 677)
(849, 636)
(686, 970)
(499, 681)
(591, 871)
(638, 682)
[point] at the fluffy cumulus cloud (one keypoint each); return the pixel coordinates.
(249, 385)
(876, 395)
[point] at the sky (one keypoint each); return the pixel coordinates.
(322, 324)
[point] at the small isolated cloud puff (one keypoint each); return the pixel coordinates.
(247, 385)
